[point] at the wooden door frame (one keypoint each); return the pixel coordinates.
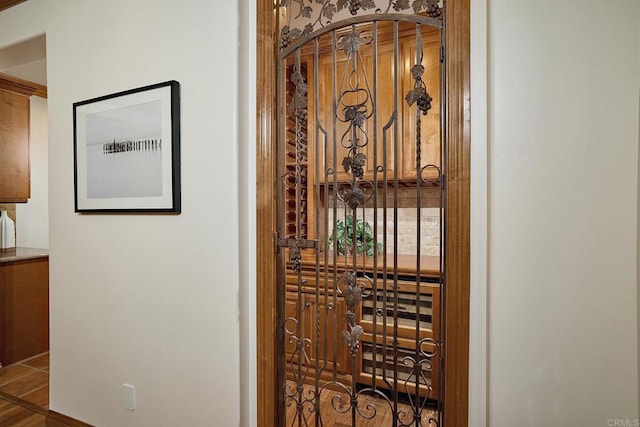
(457, 226)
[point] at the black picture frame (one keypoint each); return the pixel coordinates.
(127, 151)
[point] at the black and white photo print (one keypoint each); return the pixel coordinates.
(127, 151)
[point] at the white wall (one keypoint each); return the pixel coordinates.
(479, 218)
(563, 119)
(152, 300)
(638, 235)
(147, 299)
(33, 216)
(247, 211)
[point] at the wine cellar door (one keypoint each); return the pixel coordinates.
(361, 200)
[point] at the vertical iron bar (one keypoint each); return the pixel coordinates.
(334, 108)
(280, 286)
(299, 325)
(354, 241)
(395, 218)
(374, 315)
(316, 219)
(418, 166)
(385, 293)
(443, 213)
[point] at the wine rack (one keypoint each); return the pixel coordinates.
(295, 208)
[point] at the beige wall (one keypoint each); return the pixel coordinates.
(638, 234)
(563, 142)
(151, 300)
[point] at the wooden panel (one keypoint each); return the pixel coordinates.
(6, 4)
(24, 87)
(14, 147)
(24, 314)
(385, 76)
(267, 363)
(429, 124)
(457, 248)
(406, 343)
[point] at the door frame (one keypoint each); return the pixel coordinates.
(457, 224)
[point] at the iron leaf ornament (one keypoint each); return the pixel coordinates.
(355, 164)
(352, 337)
(352, 295)
(354, 197)
(298, 106)
(419, 95)
(355, 5)
(295, 258)
(310, 15)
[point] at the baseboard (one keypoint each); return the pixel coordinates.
(71, 422)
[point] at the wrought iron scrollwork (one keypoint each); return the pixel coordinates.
(352, 295)
(322, 325)
(306, 16)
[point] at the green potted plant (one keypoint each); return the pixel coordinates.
(364, 237)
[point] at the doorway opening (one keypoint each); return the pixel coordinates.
(24, 267)
(371, 322)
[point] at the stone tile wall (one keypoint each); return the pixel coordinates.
(407, 221)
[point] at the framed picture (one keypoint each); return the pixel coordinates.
(127, 151)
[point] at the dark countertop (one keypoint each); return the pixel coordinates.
(429, 265)
(22, 254)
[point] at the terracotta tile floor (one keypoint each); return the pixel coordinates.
(28, 380)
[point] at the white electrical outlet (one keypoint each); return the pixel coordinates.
(129, 397)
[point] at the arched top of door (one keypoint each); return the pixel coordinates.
(303, 20)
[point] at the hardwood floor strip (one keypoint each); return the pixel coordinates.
(21, 402)
(14, 372)
(38, 362)
(26, 384)
(16, 412)
(67, 421)
(38, 397)
(13, 415)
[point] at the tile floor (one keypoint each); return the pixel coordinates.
(28, 380)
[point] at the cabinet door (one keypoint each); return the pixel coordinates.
(327, 318)
(429, 124)
(379, 343)
(370, 141)
(14, 147)
(24, 309)
(321, 322)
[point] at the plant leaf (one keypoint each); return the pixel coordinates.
(341, 4)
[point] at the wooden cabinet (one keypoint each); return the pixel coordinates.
(430, 123)
(321, 320)
(24, 309)
(14, 142)
(417, 322)
(387, 140)
(381, 152)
